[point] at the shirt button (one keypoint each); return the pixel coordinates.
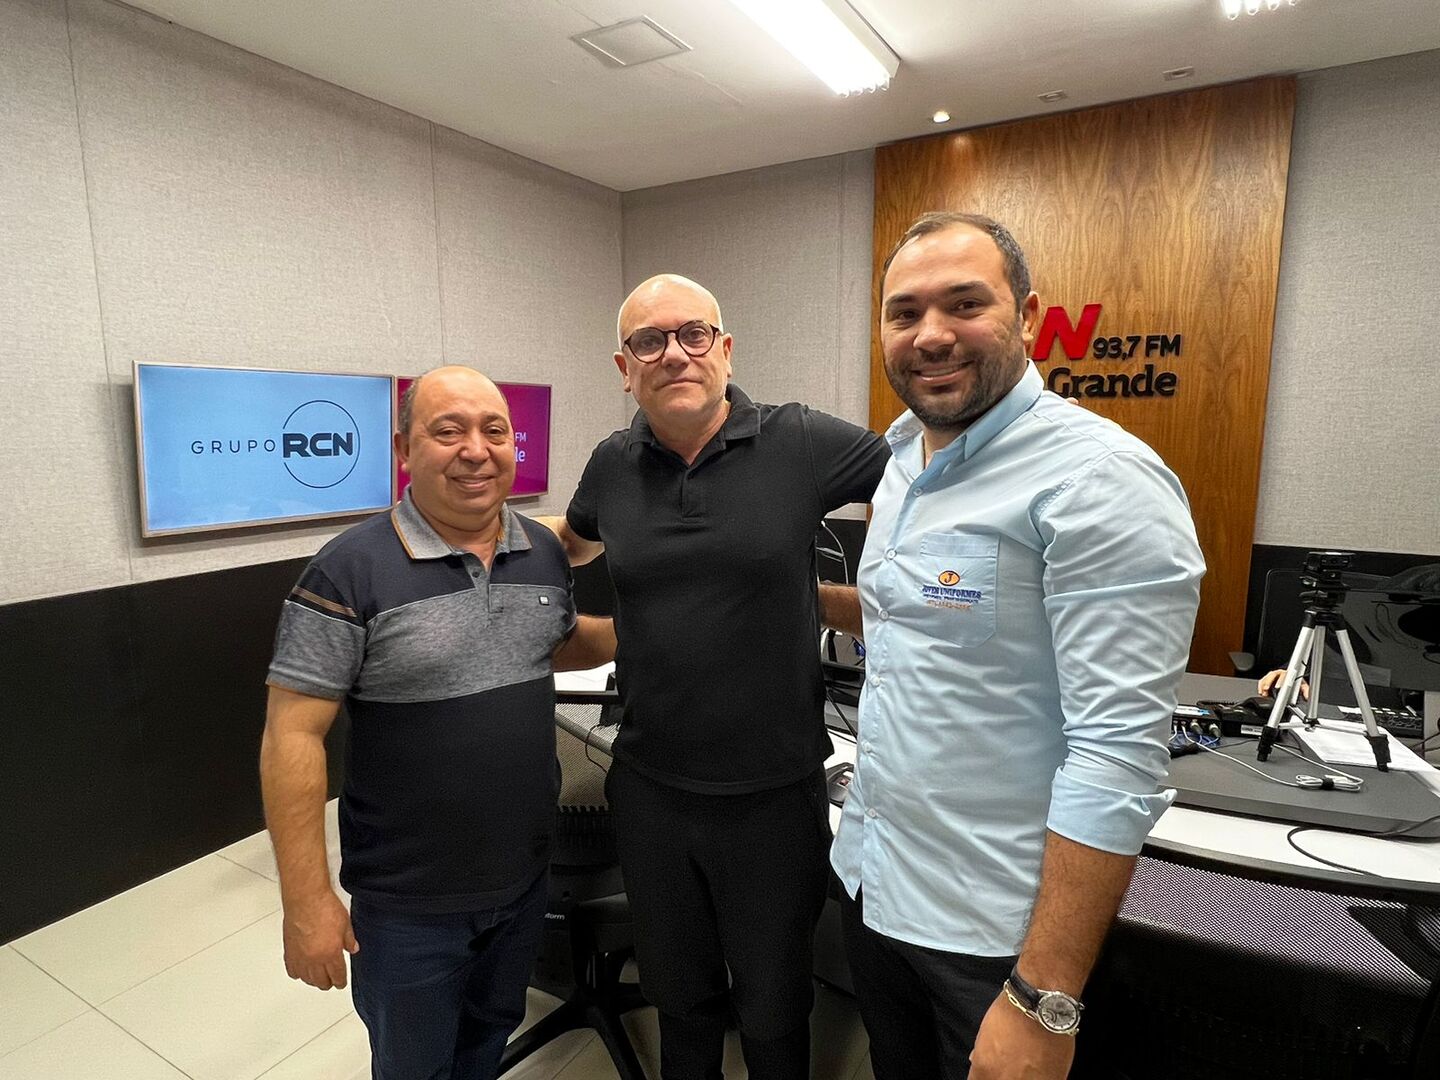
(475, 573)
(884, 615)
(917, 490)
(890, 554)
(866, 746)
(872, 813)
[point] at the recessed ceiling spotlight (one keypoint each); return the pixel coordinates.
(941, 117)
(1177, 73)
(1054, 95)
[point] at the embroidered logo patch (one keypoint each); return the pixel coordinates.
(946, 595)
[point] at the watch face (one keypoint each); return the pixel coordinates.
(1058, 1012)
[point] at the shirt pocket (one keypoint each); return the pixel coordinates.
(960, 586)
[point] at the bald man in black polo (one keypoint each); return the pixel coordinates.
(706, 508)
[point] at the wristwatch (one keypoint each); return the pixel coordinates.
(1055, 1010)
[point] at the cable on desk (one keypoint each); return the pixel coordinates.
(1336, 780)
(1387, 834)
(597, 764)
(1420, 746)
(837, 552)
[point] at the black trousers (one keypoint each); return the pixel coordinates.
(922, 1007)
(725, 891)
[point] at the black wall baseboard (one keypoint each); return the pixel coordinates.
(131, 734)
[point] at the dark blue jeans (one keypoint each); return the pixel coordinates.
(440, 994)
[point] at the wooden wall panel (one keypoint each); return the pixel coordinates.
(1167, 211)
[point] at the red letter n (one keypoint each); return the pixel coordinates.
(1075, 340)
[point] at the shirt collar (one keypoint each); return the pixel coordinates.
(742, 423)
(421, 541)
(990, 423)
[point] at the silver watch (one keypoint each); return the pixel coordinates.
(1055, 1010)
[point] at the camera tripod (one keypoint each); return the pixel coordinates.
(1326, 592)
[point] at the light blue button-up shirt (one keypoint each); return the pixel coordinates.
(1029, 598)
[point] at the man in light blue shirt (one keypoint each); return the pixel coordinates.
(1029, 587)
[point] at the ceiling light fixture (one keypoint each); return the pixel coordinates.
(830, 39)
(941, 117)
(1053, 95)
(1177, 73)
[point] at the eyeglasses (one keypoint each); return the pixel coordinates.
(648, 343)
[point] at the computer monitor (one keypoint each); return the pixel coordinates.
(1396, 636)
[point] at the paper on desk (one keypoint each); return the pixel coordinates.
(1342, 742)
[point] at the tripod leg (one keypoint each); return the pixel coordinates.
(1316, 673)
(1379, 741)
(1289, 687)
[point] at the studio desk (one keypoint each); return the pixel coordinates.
(1235, 955)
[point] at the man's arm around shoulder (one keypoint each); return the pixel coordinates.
(293, 781)
(577, 549)
(840, 608)
(589, 645)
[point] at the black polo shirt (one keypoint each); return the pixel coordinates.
(716, 613)
(445, 670)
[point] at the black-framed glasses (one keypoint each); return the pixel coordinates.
(648, 343)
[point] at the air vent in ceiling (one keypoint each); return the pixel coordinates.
(634, 41)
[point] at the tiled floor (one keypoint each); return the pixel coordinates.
(181, 977)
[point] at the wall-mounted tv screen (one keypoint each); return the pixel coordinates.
(530, 417)
(222, 448)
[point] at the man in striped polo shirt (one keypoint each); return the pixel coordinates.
(438, 625)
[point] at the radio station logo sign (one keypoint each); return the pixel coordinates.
(224, 447)
(318, 444)
(1078, 340)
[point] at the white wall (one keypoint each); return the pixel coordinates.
(167, 197)
(1352, 431)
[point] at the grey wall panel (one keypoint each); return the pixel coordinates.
(1352, 433)
(530, 282)
(786, 250)
(64, 525)
(245, 214)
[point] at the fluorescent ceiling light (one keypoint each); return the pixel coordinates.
(830, 39)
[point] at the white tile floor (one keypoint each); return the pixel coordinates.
(181, 977)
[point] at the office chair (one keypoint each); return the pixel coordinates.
(589, 934)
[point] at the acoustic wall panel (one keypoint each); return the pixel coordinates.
(529, 268)
(66, 524)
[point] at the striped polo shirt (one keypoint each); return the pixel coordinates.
(445, 671)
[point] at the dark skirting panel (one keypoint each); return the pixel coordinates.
(131, 734)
